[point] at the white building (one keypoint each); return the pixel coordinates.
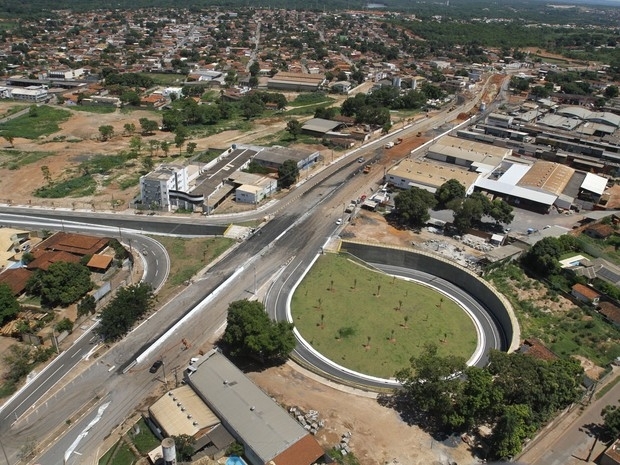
(30, 93)
(166, 186)
(66, 73)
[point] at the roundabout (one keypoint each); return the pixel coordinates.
(488, 312)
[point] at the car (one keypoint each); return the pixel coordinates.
(156, 366)
(339, 221)
(360, 160)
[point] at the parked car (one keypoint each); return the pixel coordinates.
(156, 366)
(339, 221)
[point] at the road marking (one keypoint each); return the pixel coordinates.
(85, 431)
(28, 397)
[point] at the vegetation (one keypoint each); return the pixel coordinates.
(9, 307)
(14, 159)
(39, 121)
(127, 307)
(568, 331)
(250, 333)
(288, 172)
(339, 304)
(412, 205)
(61, 284)
(450, 191)
(515, 393)
(119, 454)
(20, 360)
(145, 441)
(611, 422)
(83, 186)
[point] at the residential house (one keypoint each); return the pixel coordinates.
(585, 294)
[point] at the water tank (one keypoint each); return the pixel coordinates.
(169, 451)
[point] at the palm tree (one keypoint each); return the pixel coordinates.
(322, 320)
(331, 285)
(367, 342)
(400, 305)
(355, 283)
(392, 336)
(406, 320)
(378, 290)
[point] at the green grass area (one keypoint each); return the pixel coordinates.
(129, 181)
(311, 98)
(12, 110)
(574, 254)
(572, 331)
(340, 304)
(207, 156)
(145, 441)
(551, 60)
(119, 454)
(600, 248)
(284, 138)
(188, 256)
(15, 159)
(165, 79)
(39, 121)
(101, 109)
(75, 187)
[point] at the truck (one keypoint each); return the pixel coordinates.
(350, 208)
(366, 169)
(389, 145)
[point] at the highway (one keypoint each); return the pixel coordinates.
(301, 225)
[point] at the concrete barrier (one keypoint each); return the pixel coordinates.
(496, 304)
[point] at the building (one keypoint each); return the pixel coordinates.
(273, 157)
(268, 433)
(168, 185)
(414, 173)
(467, 153)
(66, 73)
(252, 188)
(319, 127)
(611, 456)
(585, 294)
(297, 82)
(608, 310)
(35, 94)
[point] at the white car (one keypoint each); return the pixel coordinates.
(339, 221)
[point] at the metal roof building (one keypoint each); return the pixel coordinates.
(270, 435)
(320, 126)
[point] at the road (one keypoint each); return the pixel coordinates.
(301, 225)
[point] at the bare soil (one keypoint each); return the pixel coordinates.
(378, 434)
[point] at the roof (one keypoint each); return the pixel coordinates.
(514, 173)
(594, 183)
(586, 291)
(536, 348)
(43, 259)
(306, 450)
(469, 150)
(101, 262)
(79, 244)
(171, 412)
(574, 111)
(609, 311)
(516, 191)
(432, 175)
(16, 279)
(547, 176)
(320, 125)
(263, 426)
(278, 155)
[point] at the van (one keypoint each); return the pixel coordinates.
(191, 369)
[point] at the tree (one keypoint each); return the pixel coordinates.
(180, 136)
(611, 91)
(611, 421)
(429, 384)
(542, 258)
(46, 174)
(148, 126)
(9, 307)
(129, 304)
(191, 148)
(64, 325)
(449, 191)
(61, 284)
(288, 172)
(87, 305)
(129, 128)
(184, 445)
(293, 127)
(106, 132)
(250, 333)
(411, 206)
(165, 147)
(510, 431)
(135, 144)
(468, 211)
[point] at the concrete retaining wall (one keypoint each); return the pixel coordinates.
(496, 304)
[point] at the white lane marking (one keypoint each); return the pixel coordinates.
(20, 404)
(85, 431)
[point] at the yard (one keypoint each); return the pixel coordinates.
(373, 323)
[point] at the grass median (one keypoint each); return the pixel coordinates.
(373, 323)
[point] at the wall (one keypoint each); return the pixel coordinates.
(495, 303)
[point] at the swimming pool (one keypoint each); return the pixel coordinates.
(235, 460)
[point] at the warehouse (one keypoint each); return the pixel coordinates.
(428, 176)
(296, 82)
(470, 154)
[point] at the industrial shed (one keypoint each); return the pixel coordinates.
(319, 127)
(468, 153)
(414, 173)
(269, 434)
(297, 82)
(273, 157)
